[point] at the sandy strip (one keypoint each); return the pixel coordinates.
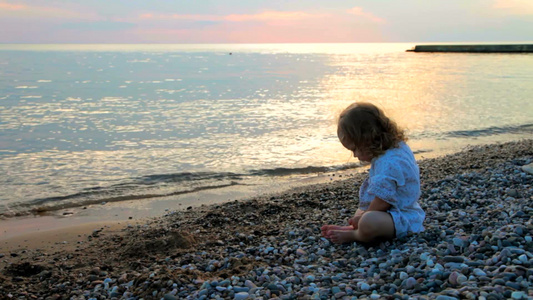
(64, 238)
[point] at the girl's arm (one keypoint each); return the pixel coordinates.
(379, 205)
(376, 205)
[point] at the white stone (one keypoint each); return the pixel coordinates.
(479, 272)
(518, 295)
(250, 284)
(300, 252)
(461, 279)
(403, 275)
(528, 168)
(241, 296)
(523, 258)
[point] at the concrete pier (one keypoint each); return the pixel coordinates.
(480, 48)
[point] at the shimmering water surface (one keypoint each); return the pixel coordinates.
(90, 123)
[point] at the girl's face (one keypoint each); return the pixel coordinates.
(360, 152)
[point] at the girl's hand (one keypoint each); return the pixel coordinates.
(355, 220)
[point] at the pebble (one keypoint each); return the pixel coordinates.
(479, 272)
(403, 275)
(528, 168)
(364, 286)
(454, 259)
(461, 279)
(241, 296)
(523, 258)
(444, 297)
(409, 283)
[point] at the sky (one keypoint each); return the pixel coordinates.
(264, 21)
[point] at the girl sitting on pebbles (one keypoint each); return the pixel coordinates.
(388, 198)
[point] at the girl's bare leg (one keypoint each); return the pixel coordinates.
(372, 225)
(327, 229)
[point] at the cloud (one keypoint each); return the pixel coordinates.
(269, 26)
(358, 11)
(9, 6)
(23, 11)
(272, 16)
(98, 26)
(267, 16)
(152, 16)
(264, 28)
(515, 7)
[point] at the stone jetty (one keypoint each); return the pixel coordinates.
(479, 48)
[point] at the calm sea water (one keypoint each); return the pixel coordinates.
(84, 124)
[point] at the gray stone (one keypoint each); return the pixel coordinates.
(518, 295)
(444, 297)
(528, 168)
(241, 296)
(454, 259)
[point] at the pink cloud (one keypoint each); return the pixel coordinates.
(516, 7)
(146, 16)
(9, 6)
(267, 16)
(150, 16)
(328, 29)
(46, 12)
(272, 16)
(358, 11)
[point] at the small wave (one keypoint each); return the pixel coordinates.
(70, 201)
(187, 177)
(290, 171)
(165, 185)
(525, 128)
(422, 151)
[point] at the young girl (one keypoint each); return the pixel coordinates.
(388, 198)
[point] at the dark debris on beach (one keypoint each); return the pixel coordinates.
(477, 245)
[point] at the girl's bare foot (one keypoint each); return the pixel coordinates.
(343, 236)
(326, 229)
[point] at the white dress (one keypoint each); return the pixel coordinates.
(394, 177)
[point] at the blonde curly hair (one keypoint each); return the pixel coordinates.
(367, 127)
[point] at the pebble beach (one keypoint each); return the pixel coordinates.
(477, 244)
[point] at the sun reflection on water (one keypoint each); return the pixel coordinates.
(102, 118)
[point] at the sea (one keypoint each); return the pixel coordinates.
(87, 124)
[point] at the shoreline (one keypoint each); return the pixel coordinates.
(138, 210)
(478, 237)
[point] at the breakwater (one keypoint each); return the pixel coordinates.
(481, 48)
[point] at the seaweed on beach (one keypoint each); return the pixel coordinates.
(155, 241)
